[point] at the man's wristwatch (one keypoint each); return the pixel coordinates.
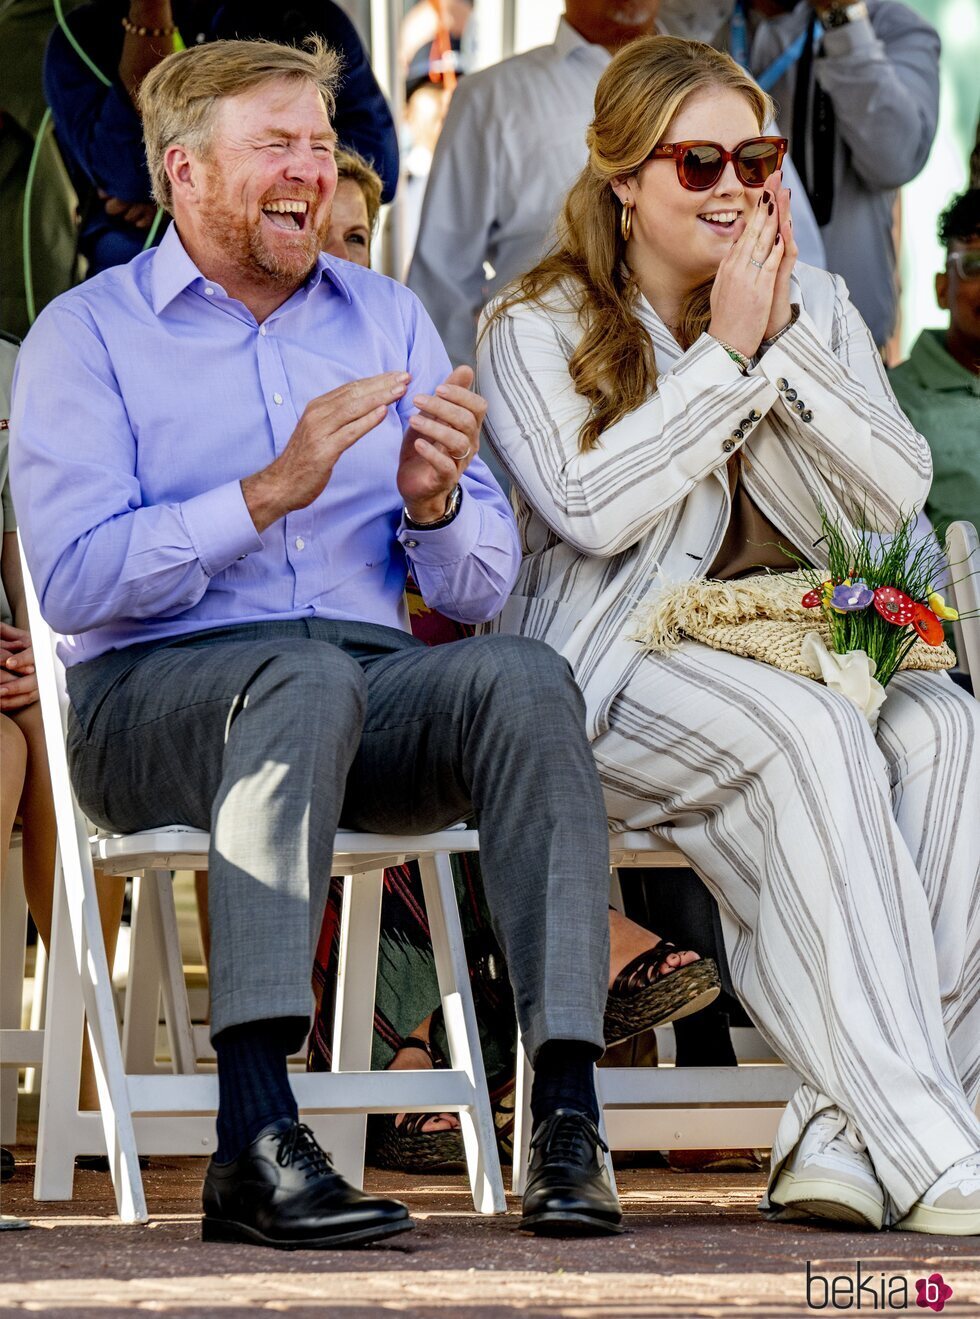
(837, 15)
(452, 508)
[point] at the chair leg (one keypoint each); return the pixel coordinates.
(13, 941)
(479, 1132)
(141, 1012)
(39, 1007)
(61, 1068)
(81, 987)
(522, 1118)
(353, 1027)
(159, 897)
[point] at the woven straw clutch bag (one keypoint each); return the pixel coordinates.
(760, 617)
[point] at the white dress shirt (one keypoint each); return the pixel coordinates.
(512, 145)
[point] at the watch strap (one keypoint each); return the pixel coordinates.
(452, 508)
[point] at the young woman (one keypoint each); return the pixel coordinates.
(673, 397)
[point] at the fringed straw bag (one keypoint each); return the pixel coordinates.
(760, 617)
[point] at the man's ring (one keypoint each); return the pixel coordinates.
(759, 265)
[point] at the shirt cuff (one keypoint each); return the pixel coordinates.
(857, 38)
(220, 527)
(445, 545)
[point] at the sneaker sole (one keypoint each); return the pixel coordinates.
(941, 1222)
(565, 1223)
(835, 1201)
(216, 1229)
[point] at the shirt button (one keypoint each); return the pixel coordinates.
(782, 384)
(277, 398)
(209, 291)
(300, 543)
(791, 395)
(738, 433)
(728, 446)
(262, 331)
(411, 544)
(806, 416)
(799, 405)
(745, 423)
(755, 415)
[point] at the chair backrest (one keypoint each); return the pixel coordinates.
(963, 553)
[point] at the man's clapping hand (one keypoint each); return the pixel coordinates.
(440, 443)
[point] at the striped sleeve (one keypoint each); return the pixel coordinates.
(836, 405)
(604, 500)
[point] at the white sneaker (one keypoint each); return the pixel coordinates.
(830, 1175)
(951, 1206)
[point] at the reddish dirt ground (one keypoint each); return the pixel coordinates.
(696, 1246)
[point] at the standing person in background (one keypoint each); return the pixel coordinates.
(859, 101)
(98, 124)
(49, 260)
(938, 388)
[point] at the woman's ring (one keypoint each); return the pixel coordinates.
(759, 265)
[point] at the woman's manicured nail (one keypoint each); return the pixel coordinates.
(770, 208)
(765, 197)
(776, 243)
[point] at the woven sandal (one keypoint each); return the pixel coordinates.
(404, 1146)
(642, 996)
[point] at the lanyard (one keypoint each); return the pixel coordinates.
(739, 48)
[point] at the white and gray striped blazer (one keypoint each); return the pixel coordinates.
(816, 421)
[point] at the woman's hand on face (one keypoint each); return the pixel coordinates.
(742, 293)
(781, 312)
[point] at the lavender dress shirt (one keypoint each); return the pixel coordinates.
(142, 397)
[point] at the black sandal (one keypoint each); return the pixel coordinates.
(643, 996)
(404, 1146)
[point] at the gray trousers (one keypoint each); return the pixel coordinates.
(271, 734)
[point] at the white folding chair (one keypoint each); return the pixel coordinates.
(18, 1047)
(173, 1114)
(665, 1108)
(963, 555)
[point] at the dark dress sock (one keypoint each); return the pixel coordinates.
(564, 1077)
(253, 1083)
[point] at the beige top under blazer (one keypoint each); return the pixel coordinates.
(602, 531)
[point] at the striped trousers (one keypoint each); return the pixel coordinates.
(847, 869)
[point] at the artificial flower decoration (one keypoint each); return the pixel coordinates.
(850, 596)
(877, 598)
(894, 606)
(928, 626)
(941, 609)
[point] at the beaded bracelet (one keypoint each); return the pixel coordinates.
(738, 358)
(136, 31)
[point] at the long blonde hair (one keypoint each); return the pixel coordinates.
(638, 96)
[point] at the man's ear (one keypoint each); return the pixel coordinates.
(942, 290)
(182, 171)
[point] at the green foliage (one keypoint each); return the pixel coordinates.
(912, 564)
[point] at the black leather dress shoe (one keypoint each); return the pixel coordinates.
(283, 1191)
(568, 1189)
(6, 1165)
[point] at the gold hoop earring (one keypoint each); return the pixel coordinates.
(626, 222)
